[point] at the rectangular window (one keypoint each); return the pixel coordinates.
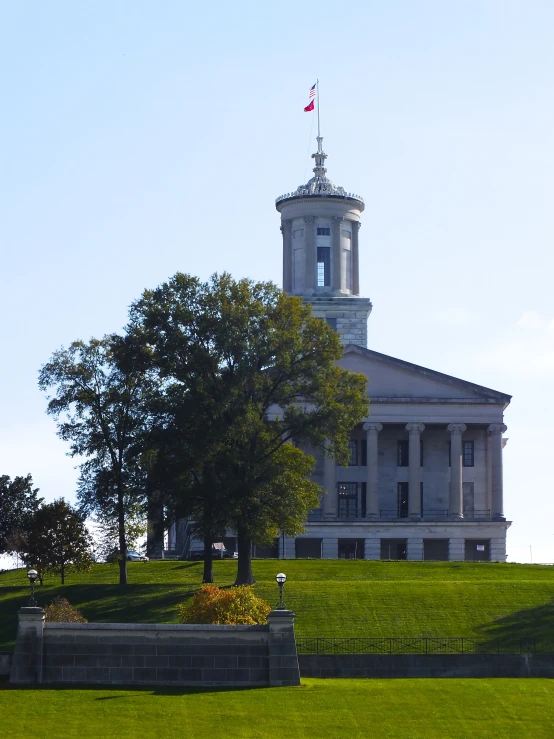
(323, 231)
(323, 266)
(468, 454)
(402, 453)
(348, 499)
(353, 449)
(363, 500)
(402, 500)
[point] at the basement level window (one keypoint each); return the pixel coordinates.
(323, 231)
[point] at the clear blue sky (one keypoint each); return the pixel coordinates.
(142, 138)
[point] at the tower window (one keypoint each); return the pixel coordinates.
(323, 231)
(323, 266)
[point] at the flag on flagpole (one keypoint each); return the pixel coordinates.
(311, 98)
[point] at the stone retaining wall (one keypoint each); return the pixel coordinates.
(155, 654)
(426, 665)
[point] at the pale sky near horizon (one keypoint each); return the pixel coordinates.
(138, 139)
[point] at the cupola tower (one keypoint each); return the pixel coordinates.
(320, 224)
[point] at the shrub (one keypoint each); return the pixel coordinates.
(213, 605)
(61, 611)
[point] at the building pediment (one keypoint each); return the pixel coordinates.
(394, 380)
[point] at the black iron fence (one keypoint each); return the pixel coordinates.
(423, 645)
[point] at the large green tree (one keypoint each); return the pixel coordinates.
(251, 380)
(57, 541)
(18, 502)
(100, 404)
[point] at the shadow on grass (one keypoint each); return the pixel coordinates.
(99, 603)
(535, 624)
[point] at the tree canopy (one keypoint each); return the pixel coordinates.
(18, 502)
(250, 381)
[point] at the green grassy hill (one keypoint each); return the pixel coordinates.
(330, 598)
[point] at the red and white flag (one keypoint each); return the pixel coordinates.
(311, 104)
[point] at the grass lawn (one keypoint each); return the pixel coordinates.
(380, 709)
(330, 597)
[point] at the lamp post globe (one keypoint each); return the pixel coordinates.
(32, 575)
(281, 580)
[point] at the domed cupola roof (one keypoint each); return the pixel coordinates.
(320, 185)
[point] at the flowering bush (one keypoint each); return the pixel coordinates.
(61, 611)
(213, 605)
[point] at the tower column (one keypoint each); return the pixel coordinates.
(455, 505)
(495, 431)
(372, 470)
(414, 459)
(309, 285)
(286, 230)
(336, 254)
(355, 258)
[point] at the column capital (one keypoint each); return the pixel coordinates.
(338, 219)
(356, 225)
(373, 427)
(496, 429)
(456, 428)
(286, 223)
(415, 428)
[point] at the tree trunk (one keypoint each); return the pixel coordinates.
(244, 567)
(208, 575)
(63, 574)
(122, 539)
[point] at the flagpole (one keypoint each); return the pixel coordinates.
(318, 130)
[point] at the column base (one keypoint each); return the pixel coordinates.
(414, 517)
(456, 516)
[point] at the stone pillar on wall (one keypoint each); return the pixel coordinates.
(372, 470)
(283, 657)
(330, 484)
(414, 549)
(456, 499)
(355, 258)
(286, 230)
(456, 550)
(495, 432)
(336, 255)
(414, 457)
(372, 548)
(309, 284)
(26, 666)
(329, 548)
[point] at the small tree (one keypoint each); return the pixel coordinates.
(18, 502)
(57, 541)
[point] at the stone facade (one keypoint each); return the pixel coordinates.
(425, 479)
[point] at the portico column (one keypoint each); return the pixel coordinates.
(455, 503)
(286, 229)
(372, 470)
(495, 431)
(330, 484)
(414, 459)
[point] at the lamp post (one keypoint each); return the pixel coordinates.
(281, 580)
(32, 575)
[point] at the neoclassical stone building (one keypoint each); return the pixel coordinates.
(425, 473)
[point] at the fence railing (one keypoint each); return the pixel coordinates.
(423, 645)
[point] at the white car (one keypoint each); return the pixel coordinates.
(133, 556)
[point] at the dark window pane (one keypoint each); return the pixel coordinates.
(403, 453)
(323, 231)
(348, 499)
(353, 449)
(468, 454)
(363, 447)
(402, 500)
(323, 266)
